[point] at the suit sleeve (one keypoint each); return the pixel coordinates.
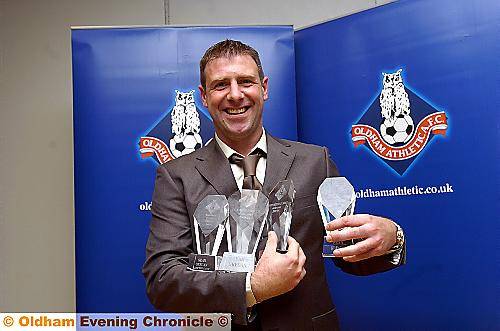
(170, 285)
(369, 266)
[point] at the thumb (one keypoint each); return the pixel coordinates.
(272, 241)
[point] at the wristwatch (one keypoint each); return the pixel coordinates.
(400, 239)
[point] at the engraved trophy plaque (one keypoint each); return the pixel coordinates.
(247, 214)
(210, 218)
(336, 198)
(280, 212)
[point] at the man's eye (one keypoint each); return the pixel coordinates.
(219, 86)
(246, 83)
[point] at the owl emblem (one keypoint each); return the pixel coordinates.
(397, 124)
(185, 125)
(185, 117)
(393, 98)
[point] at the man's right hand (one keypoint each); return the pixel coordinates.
(277, 273)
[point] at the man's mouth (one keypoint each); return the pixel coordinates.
(236, 111)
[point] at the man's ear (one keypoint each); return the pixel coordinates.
(203, 95)
(265, 82)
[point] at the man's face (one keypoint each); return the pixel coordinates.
(234, 96)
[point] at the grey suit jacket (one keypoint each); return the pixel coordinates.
(182, 183)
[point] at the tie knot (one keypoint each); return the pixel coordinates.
(236, 158)
(249, 162)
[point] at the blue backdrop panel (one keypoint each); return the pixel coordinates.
(448, 51)
(124, 87)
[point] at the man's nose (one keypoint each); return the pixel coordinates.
(234, 92)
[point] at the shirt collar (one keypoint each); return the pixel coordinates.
(228, 151)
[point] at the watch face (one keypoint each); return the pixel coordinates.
(399, 237)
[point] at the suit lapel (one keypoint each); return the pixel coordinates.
(280, 156)
(215, 168)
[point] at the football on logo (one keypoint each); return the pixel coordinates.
(398, 131)
(183, 145)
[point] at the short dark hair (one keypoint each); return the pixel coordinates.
(227, 49)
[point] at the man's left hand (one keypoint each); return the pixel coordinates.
(378, 234)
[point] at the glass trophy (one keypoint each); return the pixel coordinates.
(336, 198)
(280, 212)
(210, 219)
(247, 214)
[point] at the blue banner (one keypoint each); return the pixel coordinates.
(136, 104)
(406, 98)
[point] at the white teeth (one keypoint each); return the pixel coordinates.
(235, 111)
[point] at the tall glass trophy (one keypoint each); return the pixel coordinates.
(280, 212)
(210, 219)
(247, 214)
(336, 198)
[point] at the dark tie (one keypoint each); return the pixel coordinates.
(249, 165)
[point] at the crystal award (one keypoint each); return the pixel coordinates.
(336, 198)
(247, 214)
(210, 218)
(280, 212)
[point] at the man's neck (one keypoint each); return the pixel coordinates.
(243, 146)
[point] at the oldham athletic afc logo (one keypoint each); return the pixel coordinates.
(398, 124)
(182, 131)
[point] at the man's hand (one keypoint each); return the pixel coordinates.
(379, 236)
(277, 273)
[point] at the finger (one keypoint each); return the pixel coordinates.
(347, 221)
(293, 247)
(272, 241)
(303, 273)
(360, 257)
(377, 250)
(302, 257)
(356, 249)
(371, 253)
(358, 232)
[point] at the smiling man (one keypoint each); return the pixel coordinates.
(286, 291)
(234, 90)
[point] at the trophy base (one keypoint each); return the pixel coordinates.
(204, 262)
(235, 262)
(329, 247)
